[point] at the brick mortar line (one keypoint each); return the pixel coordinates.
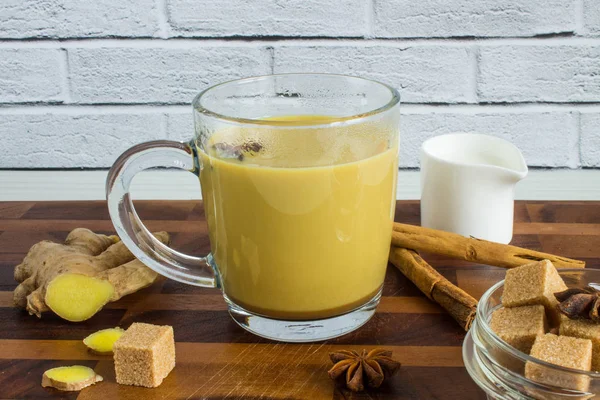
(187, 111)
(577, 150)
(369, 18)
(475, 73)
(271, 51)
(132, 42)
(164, 126)
(579, 17)
(42, 108)
(162, 19)
(66, 76)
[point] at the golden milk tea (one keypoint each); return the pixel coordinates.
(300, 219)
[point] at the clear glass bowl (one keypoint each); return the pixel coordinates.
(498, 368)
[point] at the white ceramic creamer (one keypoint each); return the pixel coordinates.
(468, 185)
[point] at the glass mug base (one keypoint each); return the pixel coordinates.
(303, 331)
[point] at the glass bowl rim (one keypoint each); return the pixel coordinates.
(482, 308)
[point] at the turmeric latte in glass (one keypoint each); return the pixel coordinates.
(299, 220)
(298, 175)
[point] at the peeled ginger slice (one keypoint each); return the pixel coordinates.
(102, 342)
(71, 378)
(77, 297)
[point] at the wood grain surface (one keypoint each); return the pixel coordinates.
(215, 358)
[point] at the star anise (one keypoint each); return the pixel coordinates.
(227, 150)
(580, 303)
(373, 367)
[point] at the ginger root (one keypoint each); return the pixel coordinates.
(101, 342)
(71, 378)
(77, 278)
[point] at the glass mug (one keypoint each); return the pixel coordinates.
(298, 176)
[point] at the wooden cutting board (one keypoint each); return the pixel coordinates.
(217, 359)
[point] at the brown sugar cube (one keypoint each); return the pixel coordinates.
(532, 284)
(519, 326)
(144, 355)
(584, 330)
(564, 351)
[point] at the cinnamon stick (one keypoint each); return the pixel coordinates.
(472, 249)
(459, 304)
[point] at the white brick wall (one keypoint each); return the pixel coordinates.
(480, 18)
(547, 139)
(158, 75)
(590, 140)
(412, 68)
(340, 18)
(77, 18)
(66, 141)
(31, 75)
(82, 81)
(591, 17)
(539, 73)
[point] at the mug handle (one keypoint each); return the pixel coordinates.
(181, 267)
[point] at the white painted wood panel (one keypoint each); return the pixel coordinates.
(173, 185)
